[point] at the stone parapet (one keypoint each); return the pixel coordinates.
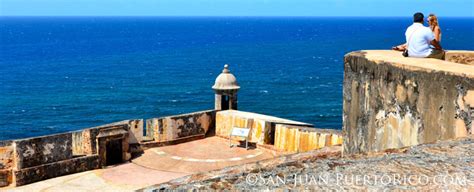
(262, 127)
(50, 170)
(302, 139)
(28, 160)
(36, 151)
(175, 127)
(390, 101)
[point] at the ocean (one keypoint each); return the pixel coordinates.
(59, 74)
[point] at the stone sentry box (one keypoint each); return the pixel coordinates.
(392, 102)
(225, 88)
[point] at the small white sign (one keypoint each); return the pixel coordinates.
(241, 132)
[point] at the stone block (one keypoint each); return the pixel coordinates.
(5, 177)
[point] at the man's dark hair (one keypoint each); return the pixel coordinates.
(418, 17)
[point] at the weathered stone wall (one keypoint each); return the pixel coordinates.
(77, 143)
(302, 139)
(50, 156)
(28, 160)
(391, 101)
(6, 162)
(50, 170)
(262, 126)
(42, 150)
(181, 126)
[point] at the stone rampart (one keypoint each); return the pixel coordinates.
(42, 150)
(391, 101)
(301, 139)
(262, 127)
(182, 126)
(28, 160)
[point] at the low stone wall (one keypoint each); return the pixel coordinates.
(391, 101)
(262, 126)
(32, 159)
(36, 151)
(302, 139)
(50, 170)
(29, 160)
(177, 127)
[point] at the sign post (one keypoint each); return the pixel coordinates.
(240, 132)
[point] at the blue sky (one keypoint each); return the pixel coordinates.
(443, 8)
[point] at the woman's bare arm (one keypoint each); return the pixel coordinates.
(437, 33)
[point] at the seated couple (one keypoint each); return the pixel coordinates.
(422, 41)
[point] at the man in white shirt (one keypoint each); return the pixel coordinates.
(419, 38)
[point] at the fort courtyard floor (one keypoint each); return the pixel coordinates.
(156, 165)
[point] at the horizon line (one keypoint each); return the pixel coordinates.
(220, 16)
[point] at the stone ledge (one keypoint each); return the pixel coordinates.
(396, 58)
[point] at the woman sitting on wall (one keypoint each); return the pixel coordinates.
(434, 26)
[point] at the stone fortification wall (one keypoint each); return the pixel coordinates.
(165, 129)
(391, 101)
(36, 151)
(262, 127)
(29, 160)
(24, 161)
(301, 139)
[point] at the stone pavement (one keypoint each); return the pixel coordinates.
(154, 166)
(441, 166)
(201, 155)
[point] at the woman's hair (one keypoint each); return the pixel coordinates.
(433, 21)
